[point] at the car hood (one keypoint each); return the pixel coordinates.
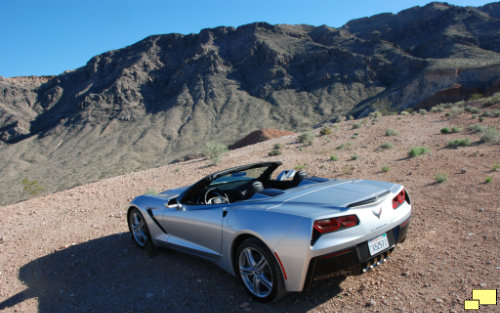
(337, 194)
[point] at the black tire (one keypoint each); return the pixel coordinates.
(140, 232)
(259, 271)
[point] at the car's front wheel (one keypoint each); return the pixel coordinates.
(139, 230)
(259, 271)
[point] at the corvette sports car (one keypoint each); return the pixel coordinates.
(276, 232)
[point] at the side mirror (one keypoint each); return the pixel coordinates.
(174, 204)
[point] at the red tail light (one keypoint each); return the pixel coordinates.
(333, 224)
(327, 225)
(399, 199)
(348, 221)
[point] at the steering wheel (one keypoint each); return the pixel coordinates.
(214, 196)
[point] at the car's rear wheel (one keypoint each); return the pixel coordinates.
(259, 271)
(139, 230)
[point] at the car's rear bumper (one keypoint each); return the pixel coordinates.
(353, 260)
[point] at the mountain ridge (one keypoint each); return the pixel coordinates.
(164, 96)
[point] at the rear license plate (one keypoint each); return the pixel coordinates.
(378, 244)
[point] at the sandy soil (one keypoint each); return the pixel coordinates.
(70, 251)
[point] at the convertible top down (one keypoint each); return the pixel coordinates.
(276, 232)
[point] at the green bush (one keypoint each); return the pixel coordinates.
(404, 113)
(441, 177)
(391, 132)
(437, 108)
(274, 152)
(333, 157)
(214, 151)
(488, 179)
(357, 125)
(31, 187)
(496, 166)
(477, 128)
(475, 96)
(454, 112)
(417, 151)
(455, 143)
(325, 131)
(354, 157)
(491, 135)
(278, 146)
(344, 145)
(445, 130)
(306, 138)
(385, 146)
(456, 129)
(472, 110)
(299, 167)
(386, 168)
(422, 111)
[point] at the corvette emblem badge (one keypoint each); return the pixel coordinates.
(377, 213)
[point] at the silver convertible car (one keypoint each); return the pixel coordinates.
(277, 233)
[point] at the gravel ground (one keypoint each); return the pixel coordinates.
(71, 252)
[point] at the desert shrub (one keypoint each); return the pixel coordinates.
(490, 114)
(422, 111)
(491, 135)
(456, 129)
(404, 113)
(274, 152)
(445, 130)
(325, 131)
(299, 167)
(437, 108)
(477, 128)
(347, 170)
(496, 166)
(277, 146)
(357, 125)
(492, 100)
(454, 112)
(488, 179)
(475, 96)
(354, 136)
(344, 145)
(306, 138)
(455, 143)
(376, 114)
(417, 151)
(31, 187)
(386, 168)
(333, 157)
(354, 157)
(391, 132)
(385, 146)
(214, 151)
(441, 178)
(472, 110)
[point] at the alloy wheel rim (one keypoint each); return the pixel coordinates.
(255, 272)
(138, 228)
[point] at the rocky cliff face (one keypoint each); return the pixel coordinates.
(164, 96)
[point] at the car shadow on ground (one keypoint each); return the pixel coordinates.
(111, 274)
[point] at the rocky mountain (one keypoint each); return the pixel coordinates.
(163, 97)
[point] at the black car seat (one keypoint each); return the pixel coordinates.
(255, 187)
(298, 177)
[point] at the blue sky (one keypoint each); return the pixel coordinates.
(47, 37)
